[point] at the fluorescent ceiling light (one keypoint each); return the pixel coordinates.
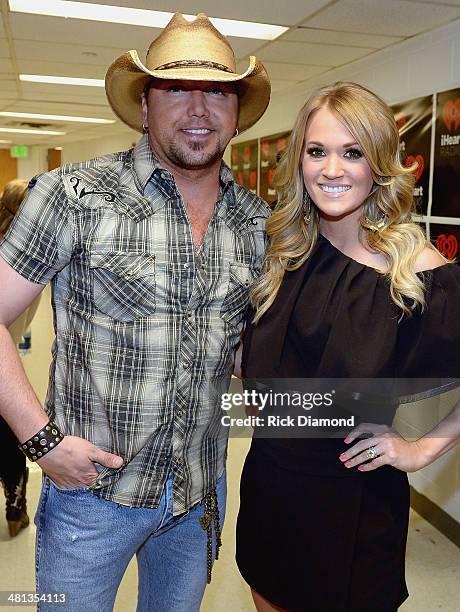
(39, 78)
(5, 141)
(56, 117)
(139, 17)
(21, 131)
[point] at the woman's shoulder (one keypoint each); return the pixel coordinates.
(429, 259)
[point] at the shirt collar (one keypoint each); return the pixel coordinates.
(145, 165)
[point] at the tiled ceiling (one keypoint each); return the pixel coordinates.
(322, 34)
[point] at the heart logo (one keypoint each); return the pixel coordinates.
(451, 114)
(412, 159)
(447, 245)
(265, 149)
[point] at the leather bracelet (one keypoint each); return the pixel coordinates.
(42, 442)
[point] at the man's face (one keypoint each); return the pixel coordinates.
(190, 122)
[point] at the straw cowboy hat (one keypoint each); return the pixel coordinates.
(186, 50)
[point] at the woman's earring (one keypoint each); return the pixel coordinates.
(306, 207)
(236, 133)
(145, 128)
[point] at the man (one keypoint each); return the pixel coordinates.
(150, 253)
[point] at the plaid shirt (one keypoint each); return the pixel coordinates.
(146, 327)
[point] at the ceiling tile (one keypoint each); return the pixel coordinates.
(66, 53)
(62, 108)
(290, 72)
(31, 66)
(6, 66)
(8, 85)
(334, 37)
(76, 31)
(7, 98)
(244, 46)
(319, 55)
(287, 12)
(279, 85)
(63, 93)
(4, 48)
(7, 88)
(392, 17)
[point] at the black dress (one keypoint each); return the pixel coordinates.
(313, 536)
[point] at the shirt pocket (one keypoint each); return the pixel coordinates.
(123, 284)
(236, 299)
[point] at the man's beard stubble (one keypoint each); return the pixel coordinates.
(188, 157)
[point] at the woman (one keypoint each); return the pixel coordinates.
(13, 471)
(350, 289)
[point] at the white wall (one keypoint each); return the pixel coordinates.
(439, 481)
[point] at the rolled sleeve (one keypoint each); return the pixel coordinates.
(39, 241)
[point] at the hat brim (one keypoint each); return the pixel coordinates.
(127, 76)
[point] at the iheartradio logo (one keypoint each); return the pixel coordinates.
(451, 114)
(410, 160)
(447, 244)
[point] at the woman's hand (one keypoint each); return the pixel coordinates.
(384, 447)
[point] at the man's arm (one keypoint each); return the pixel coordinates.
(71, 463)
(19, 405)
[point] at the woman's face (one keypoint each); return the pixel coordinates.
(335, 171)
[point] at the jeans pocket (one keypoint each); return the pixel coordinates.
(69, 491)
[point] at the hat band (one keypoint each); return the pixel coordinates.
(194, 64)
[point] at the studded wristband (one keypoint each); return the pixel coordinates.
(42, 442)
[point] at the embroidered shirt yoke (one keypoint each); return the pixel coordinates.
(146, 327)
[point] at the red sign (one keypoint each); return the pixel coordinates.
(412, 159)
(448, 245)
(451, 114)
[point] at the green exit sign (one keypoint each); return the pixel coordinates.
(19, 151)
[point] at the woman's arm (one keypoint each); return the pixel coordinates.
(392, 449)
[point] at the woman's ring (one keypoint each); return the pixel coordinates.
(371, 452)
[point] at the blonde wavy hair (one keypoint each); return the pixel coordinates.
(10, 201)
(386, 212)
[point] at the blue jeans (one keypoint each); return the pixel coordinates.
(84, 545)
